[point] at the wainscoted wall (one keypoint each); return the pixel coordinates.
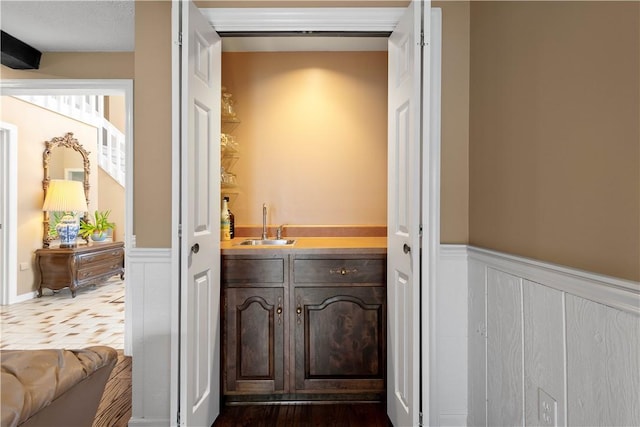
(451, 337)
(149, 279)
(543, 333)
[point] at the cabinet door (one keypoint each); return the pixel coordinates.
(253, 340)
(340, 339)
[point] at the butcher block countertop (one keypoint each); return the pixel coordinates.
(310, 245)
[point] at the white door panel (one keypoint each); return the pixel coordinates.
(200, 219)
(404, 209)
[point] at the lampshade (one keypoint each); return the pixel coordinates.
(65, 196)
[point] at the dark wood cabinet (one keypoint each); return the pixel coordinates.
(306, 327)
(254, 322)
(339, 339)
(254, 340)
(340, 323)
(59, 268)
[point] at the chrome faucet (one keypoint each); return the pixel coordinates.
(264, 221)
(279, 231)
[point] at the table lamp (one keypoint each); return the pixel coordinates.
(68, 197)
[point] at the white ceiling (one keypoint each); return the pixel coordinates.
(70, 26)
(108, 26)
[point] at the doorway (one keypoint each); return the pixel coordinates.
(79, 88)
(429, 240)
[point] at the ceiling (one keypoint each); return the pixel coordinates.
(70, 26)
(108, 26)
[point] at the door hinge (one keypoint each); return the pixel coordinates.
(178, 418)
(180, 38)
(422, 38)
(420, 423)
(420, 231)
(179, 231)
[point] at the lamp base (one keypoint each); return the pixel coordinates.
(68, 229)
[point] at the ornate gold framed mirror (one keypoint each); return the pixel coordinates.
(60, 161)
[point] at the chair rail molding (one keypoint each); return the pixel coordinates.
(613, 292)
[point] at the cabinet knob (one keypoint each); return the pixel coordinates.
(343, 271)
(279, 310)
(299, 310)
(406, 248)
(195, 248)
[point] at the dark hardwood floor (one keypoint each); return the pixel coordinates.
(303, 415)
(115, 409)
(115, 406)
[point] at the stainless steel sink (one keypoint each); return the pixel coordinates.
(267, 242)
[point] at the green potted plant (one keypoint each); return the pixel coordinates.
(98, 230)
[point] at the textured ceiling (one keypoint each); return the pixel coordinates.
(70, 26)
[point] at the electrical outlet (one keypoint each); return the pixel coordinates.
(547, 409)
(24, 266)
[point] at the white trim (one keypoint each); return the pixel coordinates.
(431, 219)
(9, 214)
(303, 19)
(13, 87)
(617, 293)
(24, 297)
(149, 422)
(453, 251)
(176, 112)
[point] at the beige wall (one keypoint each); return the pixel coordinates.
(68, 65)
(115, 111)
(454, 167)
(111, 197)
(152, 128)
(554, 145)
(313, 136)
(30, 172)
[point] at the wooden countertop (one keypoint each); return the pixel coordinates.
(309, 245)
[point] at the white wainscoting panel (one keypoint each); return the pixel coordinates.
(504, 349)
(477, 364)
(451, 335)
(603, 365)
(149, 279)
(569, 336)
(543, 349)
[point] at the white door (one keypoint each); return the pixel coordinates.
(200, 219)
(403, 216)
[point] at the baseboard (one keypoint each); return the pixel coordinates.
(25, 297)
(149, 422)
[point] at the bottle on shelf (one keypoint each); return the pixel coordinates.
(232, 220)
(225, 224)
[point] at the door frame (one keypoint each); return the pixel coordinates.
(365, 19)
(15, 87)
(431, 224)
(8, 213)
